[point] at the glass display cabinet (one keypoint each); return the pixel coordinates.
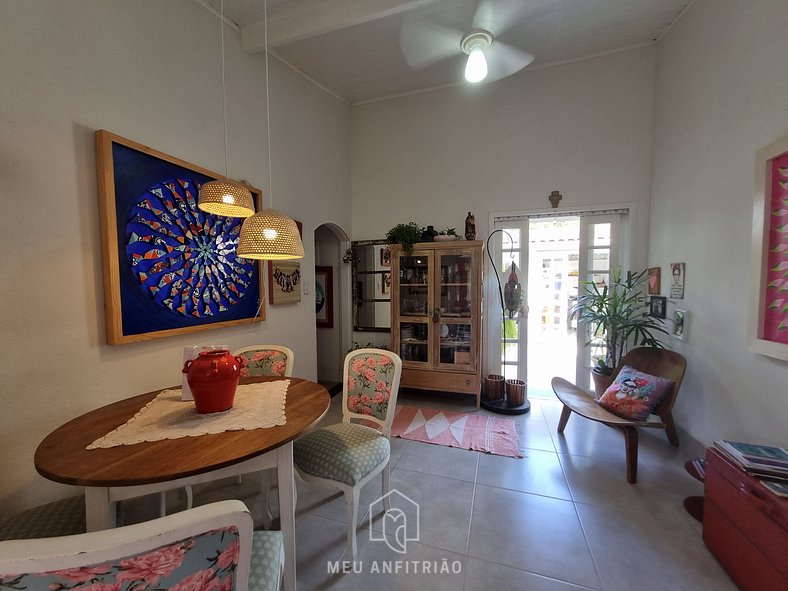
(436, 315)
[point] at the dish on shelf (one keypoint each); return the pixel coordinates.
(445, 238)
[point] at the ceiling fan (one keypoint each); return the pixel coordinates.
(425, 40)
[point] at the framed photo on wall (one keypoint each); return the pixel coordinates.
(768, 318)
(324, 296)
(654, 287)
(677, 272)
(680, 321)
(657, 306)
(169, 268)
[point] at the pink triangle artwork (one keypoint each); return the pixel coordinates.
(476, 431)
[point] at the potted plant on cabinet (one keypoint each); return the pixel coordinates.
(616, 317)
(405, 234)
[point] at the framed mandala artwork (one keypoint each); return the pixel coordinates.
(169, 268)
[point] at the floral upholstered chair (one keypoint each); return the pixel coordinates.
(347, 455)
(209, 547)
(260, 360)
(266, 360)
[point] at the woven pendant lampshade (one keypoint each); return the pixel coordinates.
(226, 197)
(270, 235)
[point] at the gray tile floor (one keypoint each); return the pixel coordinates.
(562, 518)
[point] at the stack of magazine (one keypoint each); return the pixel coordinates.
(763, 461)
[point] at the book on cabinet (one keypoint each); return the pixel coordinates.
(436, 315)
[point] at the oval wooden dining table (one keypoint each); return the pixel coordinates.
(113, 474)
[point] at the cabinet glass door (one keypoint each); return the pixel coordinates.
(455, 330)
(415, 308)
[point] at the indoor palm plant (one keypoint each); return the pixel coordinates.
(616, 316)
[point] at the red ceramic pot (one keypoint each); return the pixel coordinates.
(213, 378)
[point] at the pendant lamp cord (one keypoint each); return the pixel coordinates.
(267, 105)
(224, 88)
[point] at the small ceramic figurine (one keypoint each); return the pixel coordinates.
(428, 235)
(470, 227)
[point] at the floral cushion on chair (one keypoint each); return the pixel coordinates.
(206, 561)
(369, 382)
(265, 362)
(634, 394)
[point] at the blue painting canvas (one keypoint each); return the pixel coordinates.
(177, 268)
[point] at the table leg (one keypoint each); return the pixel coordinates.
(284, 470)
(100, 512)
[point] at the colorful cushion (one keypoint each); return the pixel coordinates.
(369, 380)
(345, 452)
(204, 561)
(268, 558)
(634, 394)
(264, 362)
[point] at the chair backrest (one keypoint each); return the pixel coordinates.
(662, 363)
(266, 360)
(370, 386)
(187, 549)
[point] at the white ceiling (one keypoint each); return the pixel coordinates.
(363, 50)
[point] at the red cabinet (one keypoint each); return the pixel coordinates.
(745, 526)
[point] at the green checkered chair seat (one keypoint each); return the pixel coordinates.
(344, 452)
(268, 558)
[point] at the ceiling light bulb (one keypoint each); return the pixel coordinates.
(476, 68)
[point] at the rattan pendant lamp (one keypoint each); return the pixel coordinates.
(269, 234)
(224, 196)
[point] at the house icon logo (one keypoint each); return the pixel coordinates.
(400, 521)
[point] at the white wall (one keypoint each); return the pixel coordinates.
(582, 128)
(149, 71)
(722, 83)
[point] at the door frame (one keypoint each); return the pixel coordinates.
(491, 341)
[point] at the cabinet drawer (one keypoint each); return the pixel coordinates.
(759, 515)
(746, 565)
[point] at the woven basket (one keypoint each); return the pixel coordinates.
(494, 387)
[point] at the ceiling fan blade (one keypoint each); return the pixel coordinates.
(424, 43)
(496, 16)
(504, 60)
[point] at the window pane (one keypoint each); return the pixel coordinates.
(600, 234)
(510, 238)
(599, 259)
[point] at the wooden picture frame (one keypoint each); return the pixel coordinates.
(654, 280)
(680, 324)
(385, 256)
(169, 268)
(324, 296)
(284, 282)
(768, 317)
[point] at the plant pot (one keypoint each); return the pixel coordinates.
(213, 379)
(515, 392)
(602, 382)
(494, 386)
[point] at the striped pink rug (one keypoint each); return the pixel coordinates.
(476, 431)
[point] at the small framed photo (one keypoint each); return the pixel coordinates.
(654, 280)
(657, 306)
(385, 283)
(385, 256)
(680, 318)
(677, 271)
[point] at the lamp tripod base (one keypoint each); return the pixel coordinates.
(502, 407)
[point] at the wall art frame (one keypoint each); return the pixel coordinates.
(657, 306)
(654, 280)
(324, 296)
(680, 324)
(169, 268)
(768, 317)
(284, 282)
(678, 276)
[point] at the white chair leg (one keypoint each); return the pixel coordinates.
(265, 490)
(385, 492)
(351, 501)
(189, 496)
